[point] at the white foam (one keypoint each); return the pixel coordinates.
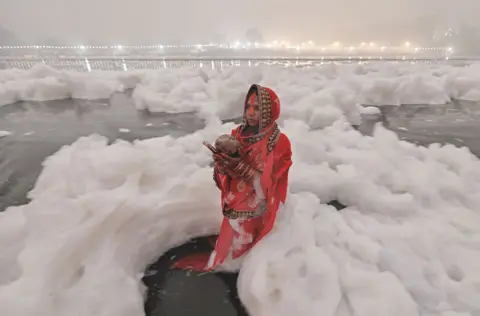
(42, 83)
(407, 244)
(82, 241)
(5, 133)
(370, 110)
(318, 95)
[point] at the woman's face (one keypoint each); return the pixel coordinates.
(252, 111)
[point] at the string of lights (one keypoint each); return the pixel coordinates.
(275, 45)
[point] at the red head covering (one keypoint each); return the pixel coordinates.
(268, 104)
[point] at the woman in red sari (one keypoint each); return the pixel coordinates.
(252, 185)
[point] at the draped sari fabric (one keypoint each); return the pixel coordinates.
(250, 206)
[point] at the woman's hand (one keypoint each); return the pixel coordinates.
(235, 167)
(226, 161)
(226, 165)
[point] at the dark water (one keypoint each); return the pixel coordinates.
(40, 129)
(184, 293)
(457, 123)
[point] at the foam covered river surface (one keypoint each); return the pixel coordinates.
(37, 130)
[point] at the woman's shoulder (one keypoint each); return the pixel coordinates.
(283, 144)
(283, 139)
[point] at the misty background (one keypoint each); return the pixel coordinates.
(142, 22)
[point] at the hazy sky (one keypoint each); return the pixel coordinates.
(123, 21)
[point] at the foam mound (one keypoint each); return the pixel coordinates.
(5, 133)
(408, 242)
(317, 95)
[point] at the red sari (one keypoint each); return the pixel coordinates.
(250, 207)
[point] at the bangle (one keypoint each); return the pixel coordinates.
(251, 173)
(248, 173)
(244, 170)
(240, 168)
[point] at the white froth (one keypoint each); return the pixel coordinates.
(408, 242)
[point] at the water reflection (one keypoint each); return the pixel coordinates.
(126, 63)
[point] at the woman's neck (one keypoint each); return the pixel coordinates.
(250, 130)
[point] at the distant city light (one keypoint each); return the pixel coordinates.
(366, 48)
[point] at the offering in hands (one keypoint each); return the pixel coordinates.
(226, 144)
